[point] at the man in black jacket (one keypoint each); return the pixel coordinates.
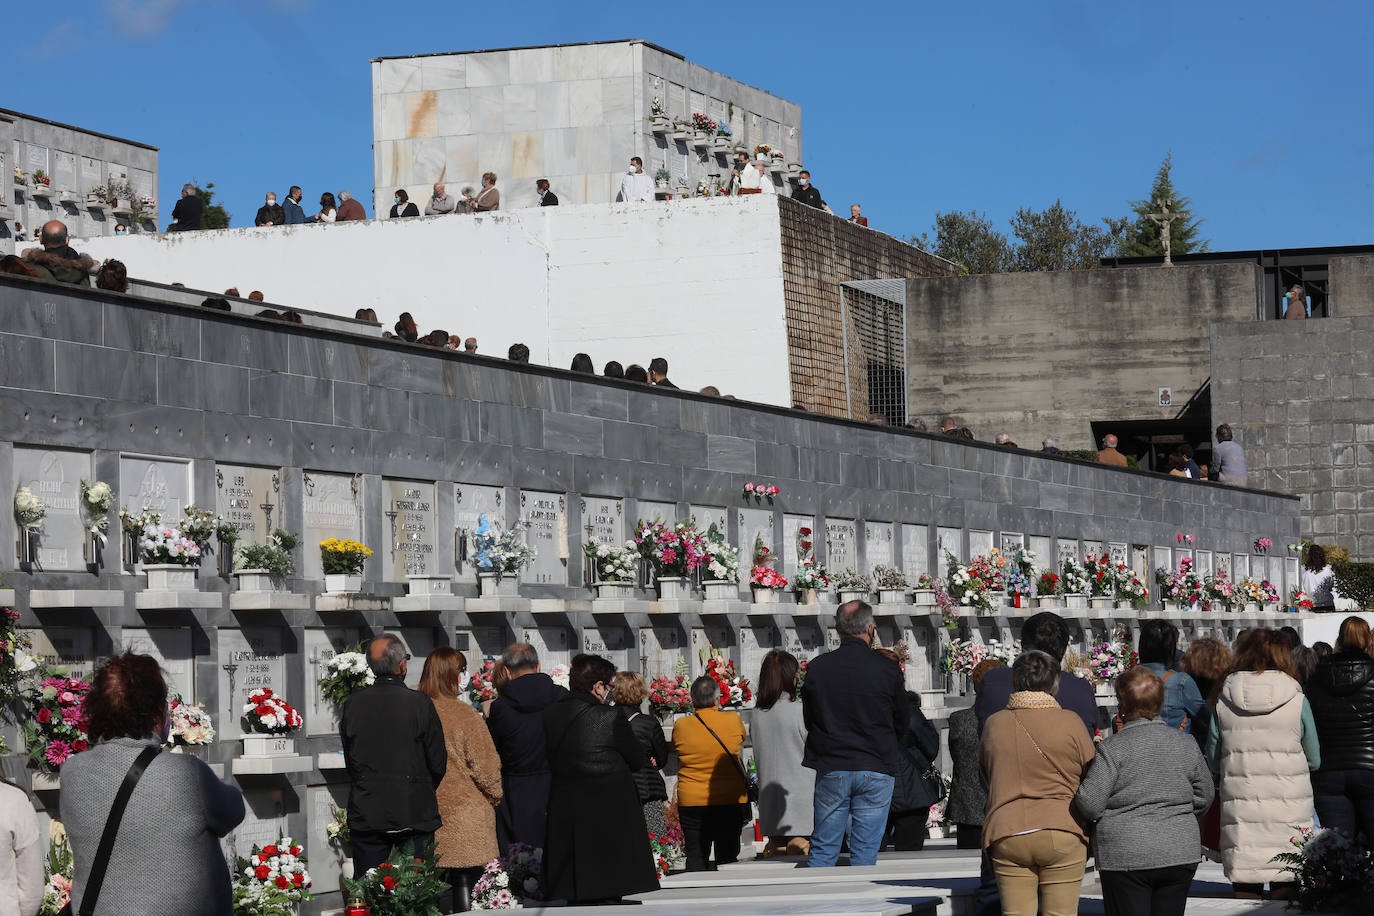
(517, 729)
(854, 705)
(806, 192)
(393, 744)
(187, 213)
(269, 214)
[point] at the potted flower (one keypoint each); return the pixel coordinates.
(1130, 590)
(1101, 580)
(342, 560)
(765, 582)
(852, 586)
(1330, 871)
(924, 591)
(169, 557)
(54, 722)
(662, 178)
(501, 554)
(681, 129)
(1077, 587)
(189, 725)
(98, 197)
(263, 567)
(705, 129)
(345, 674)
(734, 690)
(720, 567)
(675, 553)
(267, 721)
(1218, 591)
(405, 885)
(1021, 579)
(658, 118)
(724, 139)
(1269, 596)
(613, 568)
(1049, 589)
(891, 584)
(42, 185)
(811, 578)
(123, 194)
(1111, 658)
(1299, 600)
(145, 209)
(29, 512)
(975, 585)
(670, 696)
(272, 881)
(20, 179)
(1179, 588)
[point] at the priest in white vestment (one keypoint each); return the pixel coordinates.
(636, 185)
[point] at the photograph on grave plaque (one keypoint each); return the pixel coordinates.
(546, 515)
(249, 658)
(949, 540)
(979, 543)
(877, 545)
(249, 498)
(791, 529)
(470, 503)
(333, 508)
(915, 551)
(160, 485)
(408, 507)
(171, 648)
(55, 477)
(841, 545)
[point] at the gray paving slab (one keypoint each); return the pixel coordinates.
(919, 906)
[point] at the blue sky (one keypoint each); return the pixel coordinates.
(908, 107)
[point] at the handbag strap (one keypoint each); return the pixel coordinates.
(107, 838)
(739, 766)
(1036, 745)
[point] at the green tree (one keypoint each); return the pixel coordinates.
(1143, 239)
(1054, 239)
(969, 240)
(214, 216)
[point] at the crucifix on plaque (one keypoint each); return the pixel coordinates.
(267, 508)
(229, 669)
(1164, 218)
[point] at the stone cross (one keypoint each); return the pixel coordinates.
(1163, 219)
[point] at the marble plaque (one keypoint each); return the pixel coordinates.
(707, 516)
(321, 717)
(1202, 564)
(171, 646)
(1163, 558)
(409, 511)
(1092, 549)
(1292, 579)
(791, 529)
(470, 503)
(603, 520)
(38, 157)
(1274, 574)
(241, 492)
(877, 545)
(64, 166)
(915, 551)
(547, 517)
(660, 649)
(1241, 567)
(333, 506)
(265, 820)
(481, 643)
(841, 547)
(326, 862)
(1118, 553)
(419, 642)
(159, 484)
(613, 642)
(1223, 564)
(979, 543)
(1040, 546)
(554, 645)
(949, 540)
(55, 478)
(754, 644)
(753, 523)
(1066, 550)
(90, 169)
(1010, 542)
(69, 647)
(1140, 564)
(804, 639)
(649, 511)
(249, 658)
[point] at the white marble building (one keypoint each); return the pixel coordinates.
(574, 114)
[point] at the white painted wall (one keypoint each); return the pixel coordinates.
(698, 282)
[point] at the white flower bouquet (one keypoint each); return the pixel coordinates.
(96, 501)
(613, 562)
(166, 544)
(345, 674)
(190, 725)
(29, 510)
(265, 713)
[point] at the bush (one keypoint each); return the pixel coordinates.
(1355, 581)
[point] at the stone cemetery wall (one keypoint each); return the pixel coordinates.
(1300, 398)
(330, 434)
(1043, 354)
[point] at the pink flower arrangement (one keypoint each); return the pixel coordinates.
(56, 726)
(675, 551)
(670, 695)
(760, 491)
(767, 577)
(1184, 538)
(480, 687)
(1262, 545)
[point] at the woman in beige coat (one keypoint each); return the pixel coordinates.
(471, 788)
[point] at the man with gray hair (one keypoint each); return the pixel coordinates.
(854, 704)
(350, 210)
(516, 722)
(188, 211)
(439, 201)
(1049, 444)
(1109, 455)
(394, 752)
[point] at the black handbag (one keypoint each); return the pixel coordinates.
(107, 838)
(751, 785)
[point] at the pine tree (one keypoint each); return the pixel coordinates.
(1143, 237)
(214, 216)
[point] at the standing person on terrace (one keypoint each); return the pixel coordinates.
(1228, 458)
(636, 185)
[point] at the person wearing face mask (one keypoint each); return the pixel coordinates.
(291, 207)
(597, 847)
(269, 214)
(471, 788)
(636, 185)
(403, 206)
(806, 192)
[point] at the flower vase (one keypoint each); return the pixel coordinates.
(1075, 602)
(720, 591)
(1252, 607)
(936, 833)
(808, 596)
(27, 546)
(343, 583)
(255, 580)
(1051, 602)
(764, 595)
(170, 577)
(674, 588)
(620, 590)
(1173, 607)
(429, 585)
(1102, 602)
(850, 594)
(268, 746)
(493, 586)
(892, 596)
(924, 597)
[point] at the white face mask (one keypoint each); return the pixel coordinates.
(803, 181)
(271, 201)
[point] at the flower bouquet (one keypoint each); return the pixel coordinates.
(958, 658)
(1077, 585)
(974, 586)
(505, 882)
(1300, 600)
(667, 849)
(923, 591)
(764, 580)
(342, 560)
(1049, 588)
(58, 871)
(40, 177)
(189, 725)
(20, 178)
(55, 721)
(851, 585)
(720, 563)
(674, 553)
(891, 584)
(1333, 873)
(199, 525)
(669, 696)
(96, 501)
(1219, 591)
(345, 674)
(29, 512)
(480, 686)
(703, 122)
(613, 568)
(272, 881)
(338, 835)
(758, 492)
(811, 577)
(734, 690)
(267, 719)
(1262, 545)
(1180, 586)
(1130, 588)
(1111, 658)
(271, 560)
(1101, 578)
(16, 661)
(169, 557)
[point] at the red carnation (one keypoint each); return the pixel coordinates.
(263, 709)
(298, 879)
(282, 882)
(389, 883)
(262, 871)
(269, 851)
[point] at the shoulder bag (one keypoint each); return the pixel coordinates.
(107, 838)
(1089, 829)
(751, 785)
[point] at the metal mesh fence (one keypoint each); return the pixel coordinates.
(875, 350)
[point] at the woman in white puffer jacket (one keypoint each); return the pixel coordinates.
(1263, 742)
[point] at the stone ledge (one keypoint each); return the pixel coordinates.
(496, 605)
(330, 760)
(76, 597)
(621, 606)
(45, 782)
(180, 600)
(268, 601)
(271, 766)
(412, 604)
(352, 603)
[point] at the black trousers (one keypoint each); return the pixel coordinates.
(707, 829)
(372, 849)
(458, 897)
(1344, 800)
(1148, 891)
(906, 832)
(968, 836)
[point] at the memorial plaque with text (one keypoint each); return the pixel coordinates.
(754, 643)
(915, 551)
(1066, 550)
(333, 507)
(243, 496)
(546, 514)
(1202, 562)
(979, 543)
(877, 545)
(649, 511)
(791, 529)
(1040, 546)
(69, 647)
(949, 540)
(249, 658)
(611, 642)
(660, 649)
(1240, 567)
(1162, 558)
(804, 639)
(55, 478)
(554, 645)
(326, 862)
(603, 520)
(409, 511)
(1275, 577)
(158, 484)
(1118, 554)
(752, 524)
(321, 716)
(1093, 549)
(171, 646)
(1223, 563)
(90, 169)
(707, 516)
(470, 503)
(841, 548)
(1010, 542)
(264, 822)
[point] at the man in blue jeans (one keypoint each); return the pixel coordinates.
(854, 704)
